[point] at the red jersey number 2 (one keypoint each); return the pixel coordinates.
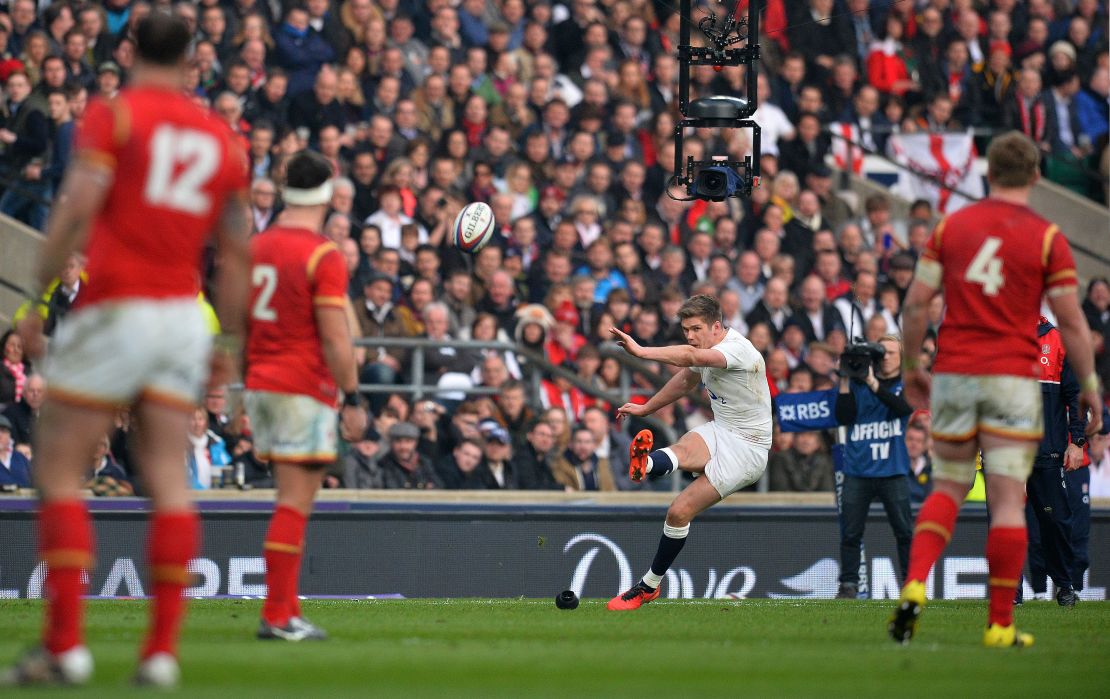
(264, 278)
(986, 267)
(182, 163)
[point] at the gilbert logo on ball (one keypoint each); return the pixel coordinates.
(473, 227)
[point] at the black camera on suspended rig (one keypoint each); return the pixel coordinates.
(718, 178)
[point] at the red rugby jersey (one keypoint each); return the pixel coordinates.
(999, 259)
(293, 270)
(175, 165)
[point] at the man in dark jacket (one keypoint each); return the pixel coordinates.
(24, 138)
(25, 414)
(532, 462)
(803, 468)
(463, 469)
(403, 467)
(15, 469)
(1053, 511)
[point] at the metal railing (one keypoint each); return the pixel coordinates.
(536, 366)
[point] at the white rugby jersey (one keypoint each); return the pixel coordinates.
(739, 392)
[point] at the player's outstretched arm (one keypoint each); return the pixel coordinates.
(679, 385)
(1072, 325)
(676, 355)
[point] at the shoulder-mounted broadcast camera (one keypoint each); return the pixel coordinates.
(717, 179)
(859, 357)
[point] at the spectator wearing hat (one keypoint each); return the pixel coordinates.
(15, 468)
(402, 466)
(108, 79)
(496, 471)
(1062, 58)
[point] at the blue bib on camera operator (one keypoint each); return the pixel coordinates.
(876, 445)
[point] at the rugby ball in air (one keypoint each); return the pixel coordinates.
(473, 227)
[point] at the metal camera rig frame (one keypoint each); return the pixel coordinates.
(718, 111)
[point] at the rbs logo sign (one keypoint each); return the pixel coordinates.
(805, 411)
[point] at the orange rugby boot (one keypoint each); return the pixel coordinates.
(635, 598)
(638, 453)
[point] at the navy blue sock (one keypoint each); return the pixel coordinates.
(661, 464)
(670, 544)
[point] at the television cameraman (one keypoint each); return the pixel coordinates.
(871, 406)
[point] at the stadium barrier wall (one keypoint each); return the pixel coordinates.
(468, 549)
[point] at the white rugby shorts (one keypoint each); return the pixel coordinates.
(292, 428)
(734, 462)
(114, 353)
(1004, 406)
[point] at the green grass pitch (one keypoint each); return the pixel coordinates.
(528, 648)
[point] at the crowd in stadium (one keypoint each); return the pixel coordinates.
(561, 117)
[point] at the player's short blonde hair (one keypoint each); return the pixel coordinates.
(1013, 160)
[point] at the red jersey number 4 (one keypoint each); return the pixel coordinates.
(986, 267)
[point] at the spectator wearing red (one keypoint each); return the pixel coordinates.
(889, 65)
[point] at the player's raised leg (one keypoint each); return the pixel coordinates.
(690, 454)
(65, 541)
(174, 535)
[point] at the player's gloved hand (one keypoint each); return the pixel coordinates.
(625, 342)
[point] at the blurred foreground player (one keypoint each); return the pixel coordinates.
(730, 450)
(994, 261)
(299, 353)
(153, 177)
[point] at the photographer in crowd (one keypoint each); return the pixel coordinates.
(871, 406)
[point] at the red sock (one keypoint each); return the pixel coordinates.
(66, 545)
(934, 528)
(1005, 557)
(173, 541)
(282, 550)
